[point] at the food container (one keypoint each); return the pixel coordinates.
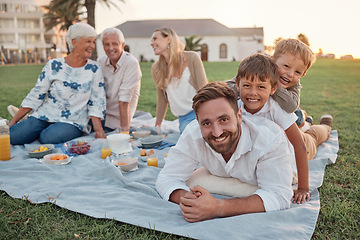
(151, 141)
(119, 143)
(141, 133)
(126, 164)
(77, 147)
(47, 159)
(31, 150)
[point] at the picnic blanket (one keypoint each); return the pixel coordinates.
(95, 187)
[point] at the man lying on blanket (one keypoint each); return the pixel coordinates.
(251, 149)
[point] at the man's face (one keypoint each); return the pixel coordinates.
(255, 93)
(220, 125)
(291, 69)
(112, 47)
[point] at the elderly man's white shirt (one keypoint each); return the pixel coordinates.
(123, 85)
(263, 158)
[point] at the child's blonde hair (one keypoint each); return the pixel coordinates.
(295, 47)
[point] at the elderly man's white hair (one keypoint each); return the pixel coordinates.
(79, 30)
(113, 31)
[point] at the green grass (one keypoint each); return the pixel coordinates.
(331, 86)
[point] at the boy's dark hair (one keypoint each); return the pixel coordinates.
(260, 67)
(212, 91)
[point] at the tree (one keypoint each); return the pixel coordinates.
(192, 43)
(66, 12)
(63, 13)
(278, 40)
(302, 37)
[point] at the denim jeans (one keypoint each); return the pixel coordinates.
(185, 120)
(32, 129)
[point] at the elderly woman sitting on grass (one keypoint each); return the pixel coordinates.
(68, 91)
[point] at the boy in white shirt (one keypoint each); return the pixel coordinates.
(257, 80)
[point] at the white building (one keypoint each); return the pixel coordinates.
(22, 32)
(219, 43)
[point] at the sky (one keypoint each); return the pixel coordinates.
(332, 25)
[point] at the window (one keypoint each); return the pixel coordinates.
(223, 51)
(6, 23)
(3, 8)
(28, 23)
(29, 38)
(7, 38)
(127, 48)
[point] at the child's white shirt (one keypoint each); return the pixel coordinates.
(272, 110)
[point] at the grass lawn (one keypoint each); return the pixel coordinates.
(331, 86)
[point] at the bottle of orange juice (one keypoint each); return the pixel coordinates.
(4, 141)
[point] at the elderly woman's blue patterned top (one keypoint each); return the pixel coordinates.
(69, 95)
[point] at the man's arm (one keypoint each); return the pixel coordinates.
(124, 115)
(176, 195)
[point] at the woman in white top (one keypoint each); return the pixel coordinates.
(178, 75)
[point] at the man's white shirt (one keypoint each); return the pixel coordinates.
(263, 157)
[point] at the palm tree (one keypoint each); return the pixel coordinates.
(90, 8)
(193, 44)
(63, 13)
(66, 12)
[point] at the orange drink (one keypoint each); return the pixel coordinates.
(105, 152)
(152, 161)
(5, 147)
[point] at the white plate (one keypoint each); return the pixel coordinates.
(47, 159)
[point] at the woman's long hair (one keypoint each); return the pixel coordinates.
(165, 72)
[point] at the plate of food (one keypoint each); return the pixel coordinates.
(144, 154)
(39, 151)
(126, 164)
(56, 158)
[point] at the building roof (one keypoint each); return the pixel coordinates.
(183, 27)
(259, 31)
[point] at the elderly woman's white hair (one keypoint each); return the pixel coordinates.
(113, 31)
(79, 30)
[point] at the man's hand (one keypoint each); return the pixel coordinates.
(199, 205)
(300, 196)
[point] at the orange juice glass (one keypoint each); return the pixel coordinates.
(5, 147)
(152, 161)
(105, 152)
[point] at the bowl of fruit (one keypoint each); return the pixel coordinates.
(57, 158)
(39, 151)
(75, 148)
